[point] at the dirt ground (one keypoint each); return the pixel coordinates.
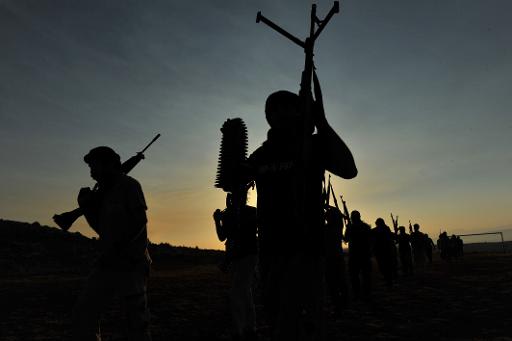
(468, 299)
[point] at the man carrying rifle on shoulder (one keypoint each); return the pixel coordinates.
(116, 210)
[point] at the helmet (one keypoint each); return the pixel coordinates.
(103, 154)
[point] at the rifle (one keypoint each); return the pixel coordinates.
(345, 211)
(395, 223)
(410, 227)
(65, 220)
(333, 195)
(328, 195)
(305, 95)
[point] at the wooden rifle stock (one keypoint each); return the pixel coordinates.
(67, 219)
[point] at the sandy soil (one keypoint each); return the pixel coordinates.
(469, 299)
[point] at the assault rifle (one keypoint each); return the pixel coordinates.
(345, 211)
(395, 223)
(65, 220)
(333, 195)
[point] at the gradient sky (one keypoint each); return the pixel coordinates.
(419, 90)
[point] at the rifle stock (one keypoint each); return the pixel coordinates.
(333, 195)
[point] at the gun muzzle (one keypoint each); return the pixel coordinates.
(258, 17)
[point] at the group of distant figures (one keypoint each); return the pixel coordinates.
(393, 251)
(450, 247)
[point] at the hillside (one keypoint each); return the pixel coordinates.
(34, 249)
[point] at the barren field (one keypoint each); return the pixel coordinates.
(468, 299)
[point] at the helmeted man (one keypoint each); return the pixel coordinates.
(116, 210)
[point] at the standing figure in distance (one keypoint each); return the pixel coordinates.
(237, 226)
(358, 236)
(384, 250)
(443, 244)
(429, 247)
(404, 249)
(418, 247)
(334, 260)
(291, 234)
(117, 212)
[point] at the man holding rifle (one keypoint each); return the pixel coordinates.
(290, 257)
(116, 210)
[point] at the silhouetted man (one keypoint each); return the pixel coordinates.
(117, 212)
(404, 250)
(238, 228)
(444, 246)
(334, 262)
(418, 246)
(384, 250)
(429, 247)
(291, 234)
(358, 236)
(460, 246)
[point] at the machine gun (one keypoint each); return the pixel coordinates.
(327, 192)
(305, 147)
(65, 220)
(233, 177)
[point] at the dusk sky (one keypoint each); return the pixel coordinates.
(419, 90)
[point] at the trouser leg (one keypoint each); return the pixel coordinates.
(241, 294)
(95, 296)
(137, 317)
(300, 307)
(133, 288)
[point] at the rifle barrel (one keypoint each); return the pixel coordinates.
(150, 143)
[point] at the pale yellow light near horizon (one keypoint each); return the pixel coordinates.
(185, 218)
